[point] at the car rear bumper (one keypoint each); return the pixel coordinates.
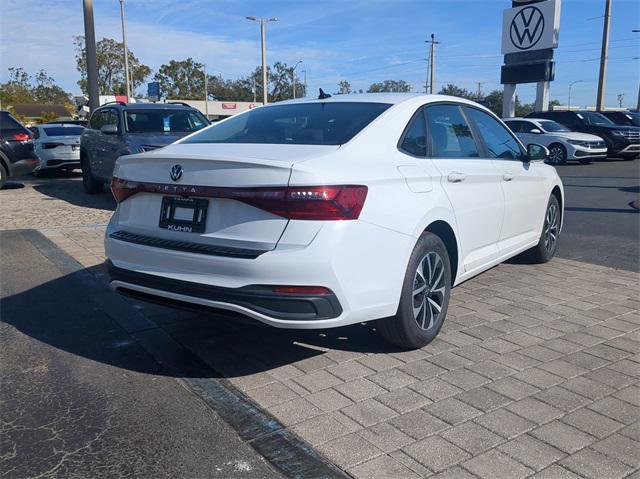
(58, 164)
(344, 257)
(22, 167)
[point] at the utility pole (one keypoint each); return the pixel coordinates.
(126, 52)
(254, 90)
(305, 82)
(206, 92)
(620, 99)
(293, 78)
(480, 89)
(90, 52)
(432, 62)
(603, 56)
(262, 22)
(638, 105)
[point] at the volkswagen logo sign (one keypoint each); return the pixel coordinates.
(527, 28)
(176, 172)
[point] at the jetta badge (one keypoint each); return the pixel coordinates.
(176, 172)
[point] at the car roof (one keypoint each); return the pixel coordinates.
(148, 106)
(388, 98)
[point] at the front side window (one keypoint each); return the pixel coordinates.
(499, 141)
(330, 123)
(450, 134)
(98, 119)
(414, 141)
(525, 127)
(163, 121)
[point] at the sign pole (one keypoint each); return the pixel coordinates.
(603, 56)
(542, 96)
(509, 100)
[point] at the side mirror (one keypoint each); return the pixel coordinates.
(109, 129)
(537, 152)
(535, 131)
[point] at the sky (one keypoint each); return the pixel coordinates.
(361, 41)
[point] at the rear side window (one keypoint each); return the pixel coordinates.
(63, 131)
(414, 140)
(298, 124)
(9, 123)
(499, 141)
(450, 134)
(163, 121)
(516, 126)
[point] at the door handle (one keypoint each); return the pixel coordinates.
(506, 176)
(456, 177)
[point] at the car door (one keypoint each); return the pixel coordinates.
(522, 182)
(526, 133)
(470, 181)
(111, 146)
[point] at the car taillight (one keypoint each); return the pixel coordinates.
(48, 146)
(22, 136)
(343, 202)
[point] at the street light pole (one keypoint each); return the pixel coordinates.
(603, 56)
(90, 52)
(305, 82)
(293, 77)
(638, 105)
(262, 22)
(126, 54)
(206, 92)
(570, 85)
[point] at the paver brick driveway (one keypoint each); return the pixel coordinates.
(535, 372)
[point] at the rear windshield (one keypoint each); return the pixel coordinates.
(63, 130)
(164, 121)
(295, 124)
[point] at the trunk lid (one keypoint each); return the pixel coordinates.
(229, 223)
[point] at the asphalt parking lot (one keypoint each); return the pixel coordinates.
(535, 374)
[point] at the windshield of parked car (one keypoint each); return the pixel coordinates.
(163, 121)
(593, 118)
(296, 124)
(63, 130)
(552, 126)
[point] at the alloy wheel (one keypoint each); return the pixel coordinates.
(551, 227)
(556, 155)
(428, 290)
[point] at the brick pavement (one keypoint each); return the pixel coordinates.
(535, 374)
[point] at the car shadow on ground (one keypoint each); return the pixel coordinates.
(68, 316)
(69, 189)
(12, 185)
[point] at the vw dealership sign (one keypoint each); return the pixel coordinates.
(531, 27)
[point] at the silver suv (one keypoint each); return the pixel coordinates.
(117, 129)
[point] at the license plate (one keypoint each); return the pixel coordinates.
(183, 214)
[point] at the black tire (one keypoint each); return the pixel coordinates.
(404, 329)
(557, 154)
(548, 243)
(89, 182)
(3, 176)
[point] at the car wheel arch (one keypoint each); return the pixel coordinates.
(445, 232)
(558, 194)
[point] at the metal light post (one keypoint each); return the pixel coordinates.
(90, 49)
(638, 105)
(262, 22)
(293, 77)
(570, 85)
(126, 53)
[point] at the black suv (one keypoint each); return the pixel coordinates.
(622, 141)
(16, 148)
(117, 129)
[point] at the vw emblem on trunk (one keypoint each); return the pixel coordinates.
(527, 28)
(176, 172)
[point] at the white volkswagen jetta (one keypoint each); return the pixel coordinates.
(323, 213)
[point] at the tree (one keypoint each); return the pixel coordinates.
(390, 86)
(493, 101)
(109, 57)
(344, 87)
(454, 90)
(182, 79)
(20, 88)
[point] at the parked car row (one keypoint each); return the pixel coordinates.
(581, 135)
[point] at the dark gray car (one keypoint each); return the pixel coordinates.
(117, 129)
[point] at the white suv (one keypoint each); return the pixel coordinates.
(323, 213)
(563, 144)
